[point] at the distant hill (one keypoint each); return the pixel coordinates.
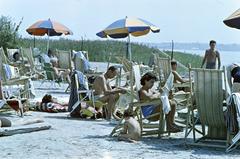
(107, 50)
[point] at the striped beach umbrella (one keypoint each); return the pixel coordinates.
(48, 27)
(129, 26)
(124, 28)
(233, 20)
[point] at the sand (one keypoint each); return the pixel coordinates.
(83, 139)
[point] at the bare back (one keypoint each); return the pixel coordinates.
(133, 128)
(100, 84)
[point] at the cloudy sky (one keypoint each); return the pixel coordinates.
(179, 20)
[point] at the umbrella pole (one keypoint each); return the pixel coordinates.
(34, 41)
(48, 41)
(131, 72)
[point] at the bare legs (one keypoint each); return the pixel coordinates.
(65, 74)
(111, 101)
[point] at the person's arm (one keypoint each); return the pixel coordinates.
(204, 59)
(146, 96)
(125, 127)
(109, 91)
(177, 77)
(229, 76)
(219, 60)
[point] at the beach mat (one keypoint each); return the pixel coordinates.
(23, 129)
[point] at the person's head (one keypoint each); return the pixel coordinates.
(148, 80)
(50, 52)
(174, 65)
(111, 72)
(212, 44)
(127, 113)
(16, 56)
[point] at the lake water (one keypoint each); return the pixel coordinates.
(227, 57)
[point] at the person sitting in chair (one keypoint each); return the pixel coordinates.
(106, 94)
(146, 94)
(58, 71)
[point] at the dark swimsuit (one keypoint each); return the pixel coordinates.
(211, 65)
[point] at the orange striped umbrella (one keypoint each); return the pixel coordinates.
(48, 27)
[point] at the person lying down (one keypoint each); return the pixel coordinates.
(4, 122)
(131, 130)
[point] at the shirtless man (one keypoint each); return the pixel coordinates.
(131, 130)
(211, 55)
(105, 93)
(177, 77)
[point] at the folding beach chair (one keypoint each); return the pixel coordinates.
(209, 94)
(27, 53)
(80, 93)
(81, 61)
(50, 75)
(147, 126)
(10, 75)
(65, 61)
(163, 69)
(233, 121)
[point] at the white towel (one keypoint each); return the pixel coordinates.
(168, 85)
(165, 104)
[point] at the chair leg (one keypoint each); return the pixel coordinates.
(193, 125)
(187, 123)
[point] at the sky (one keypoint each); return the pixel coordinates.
(178, 20)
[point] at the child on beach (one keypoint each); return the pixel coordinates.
(211, 56)
(131, 131)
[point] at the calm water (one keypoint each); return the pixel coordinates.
(227, 57)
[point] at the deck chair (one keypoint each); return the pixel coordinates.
(50, 75)
(27, 53)
(81, 61)
(10, 75)
(10, 53)
(149, 128)
(80, 93)
(163, 69)
(208, 92)
(64, 59)
(233, 121)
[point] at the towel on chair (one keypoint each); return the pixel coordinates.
(80, 55)
(165, 104)
(7, 70)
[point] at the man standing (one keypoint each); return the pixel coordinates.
(105, 93)
(211, 55)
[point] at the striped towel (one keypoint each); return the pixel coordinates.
(51, 107)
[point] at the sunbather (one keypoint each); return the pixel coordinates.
(131, 130)
(50, 104)
(106, 94)
(58, 71)
(177, 77)
(4, 122)
(146, 94)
